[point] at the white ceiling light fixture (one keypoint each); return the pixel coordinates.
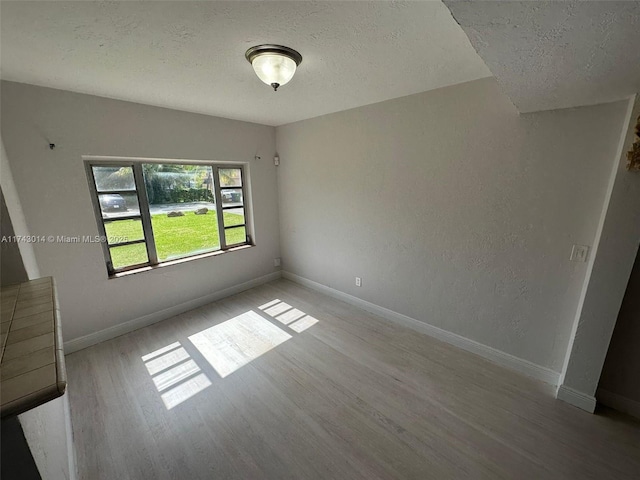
(274, 64)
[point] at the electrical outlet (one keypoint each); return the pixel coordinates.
(579, 253)
(358, 282)
(276, 262)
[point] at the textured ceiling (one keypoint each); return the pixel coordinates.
(190, 55)
(560, 54)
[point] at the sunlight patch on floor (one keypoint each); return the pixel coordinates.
(185, 390)
(304, 323)
(270, 304)
(176, 376)
(277, 309)
(290, 316)
(230, 345)
(295, 319)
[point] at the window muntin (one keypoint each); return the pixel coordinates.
(232, 192)
(117, 201)
(158, 212)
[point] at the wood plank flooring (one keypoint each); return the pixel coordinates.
(347, 396)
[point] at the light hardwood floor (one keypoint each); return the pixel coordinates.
(349, 397)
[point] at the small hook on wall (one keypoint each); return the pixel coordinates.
(52, 146)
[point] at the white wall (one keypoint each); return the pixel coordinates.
(453, 209)
(603, 291)
(47, 429)
(14, 209)
(11, 266)
(53, 191)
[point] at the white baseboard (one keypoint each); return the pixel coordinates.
(126, 327)
(496, 356)
(576, 398)
(618, 402)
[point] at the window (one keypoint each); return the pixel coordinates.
(151, 213)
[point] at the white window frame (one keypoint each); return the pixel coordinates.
(145, 212)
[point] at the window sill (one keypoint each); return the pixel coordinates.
(178, 261)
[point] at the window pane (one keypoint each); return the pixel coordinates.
(233, 217)
(230, 177)
(128, 255)
(170, 186)
(120, 231)
(182, 207)
(235, 235)
(184, 235)
(109, 179)
(114, 205)
(232, 197)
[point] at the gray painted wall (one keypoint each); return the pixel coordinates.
(48, 432)
(453, 209)
(617, 245)
(41, 441)
(17, 215)
(54, 196)
(11, 266)
(621, 372)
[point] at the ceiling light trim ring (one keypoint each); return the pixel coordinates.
(258, 50)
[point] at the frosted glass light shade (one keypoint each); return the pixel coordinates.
(274, 64)
(273, 68)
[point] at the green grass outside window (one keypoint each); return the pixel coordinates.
(175, 237)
